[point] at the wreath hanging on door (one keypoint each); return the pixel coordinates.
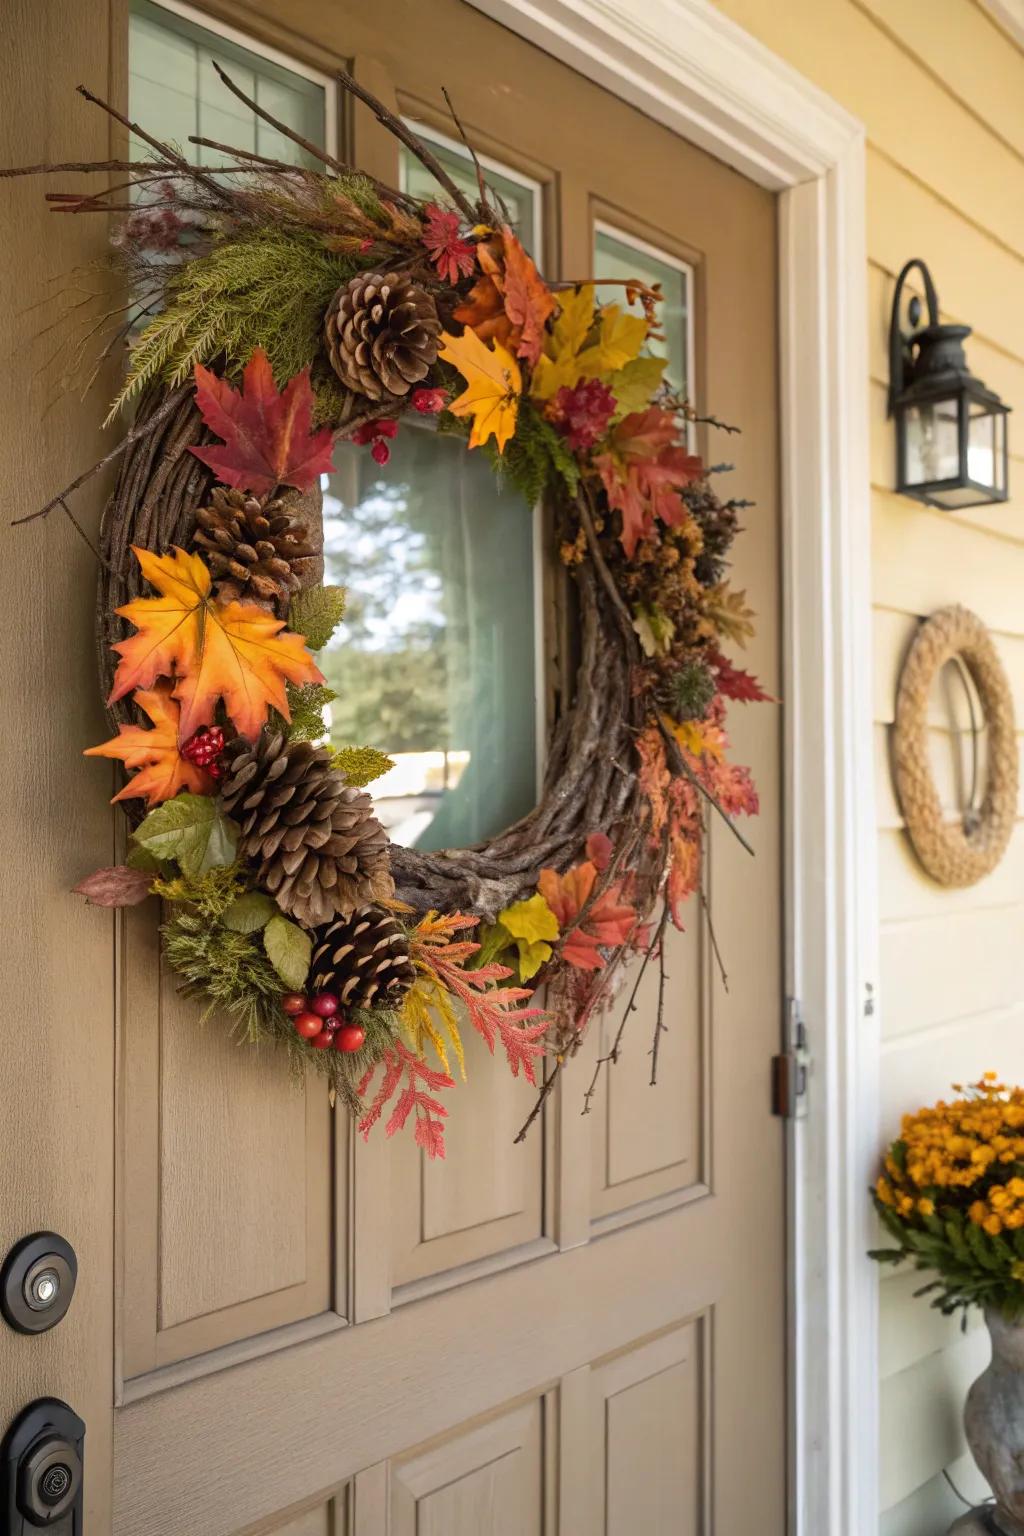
(288, 308)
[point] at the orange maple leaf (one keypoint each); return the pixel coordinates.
(229, 651)
(608, 922)
(161, 769)
(493, 386)
(529, 302)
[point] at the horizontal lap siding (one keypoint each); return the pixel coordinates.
(940, 89)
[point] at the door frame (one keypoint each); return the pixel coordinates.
(691, 68)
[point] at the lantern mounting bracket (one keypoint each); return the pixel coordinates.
(901, 343)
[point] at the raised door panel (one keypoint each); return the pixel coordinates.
(648, 1138)
(487, 1195)
(324, 1520)
(226, 1178)
(486, 1480)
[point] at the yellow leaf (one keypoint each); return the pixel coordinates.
(701, 738)
(619, 343)
(635, 385)
(493, 386)
(417, 1019)
(575, 317)
(531, 923)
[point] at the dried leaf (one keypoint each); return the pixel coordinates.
(229, 651)
(118, 886)
(643, 471)
(608, 921)
(654, 778)
(558, 367)
(733, 683)
(728, 611)
(452, 256)
(399, 1062)
(266, 432)
(493, 382)
(532, 926)
(636, 384)
(529, 302)
(655, 629)
(619, 341)
(159, 769)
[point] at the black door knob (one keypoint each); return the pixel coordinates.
(41, 1471)
(37, 1282)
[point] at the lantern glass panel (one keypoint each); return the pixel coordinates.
(932, 442)
(984, 456)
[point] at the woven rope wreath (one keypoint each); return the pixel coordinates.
(960, 852)
(289, 308)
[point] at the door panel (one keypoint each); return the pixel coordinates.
(583, 1344)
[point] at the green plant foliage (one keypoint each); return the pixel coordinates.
(315, 613)
(973, 1268)
(537, 458)
(228, 969)
(689, 691)
(249, 913)
(266, 287)
(191, 829)
(307, 704)
(289, 949)
(361, 765)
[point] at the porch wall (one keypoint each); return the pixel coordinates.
(940, 88)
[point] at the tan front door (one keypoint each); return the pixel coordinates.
(279, 1328)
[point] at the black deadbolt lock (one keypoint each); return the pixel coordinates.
(37, 1282)
(41, 1466)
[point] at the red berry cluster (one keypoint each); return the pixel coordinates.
(317, 1020)
(205, 748)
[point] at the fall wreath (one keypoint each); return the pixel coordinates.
(275, 309)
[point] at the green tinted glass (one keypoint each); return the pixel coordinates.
(174, 90)
(434, 663)
(620, 258)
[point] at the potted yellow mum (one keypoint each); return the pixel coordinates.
(951, 1196)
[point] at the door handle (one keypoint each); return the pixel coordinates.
(42, 1465)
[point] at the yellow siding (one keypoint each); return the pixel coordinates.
(940, 89)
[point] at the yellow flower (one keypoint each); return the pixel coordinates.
(1000, 1198)
(992, 1225)
(926, 1207)
(883, 1189)
(978, 1212)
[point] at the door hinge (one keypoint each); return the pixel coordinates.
(790, 1068)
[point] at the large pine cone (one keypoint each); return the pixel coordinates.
(364, 959)
(319, 846)
(251, 546)
(382, 333)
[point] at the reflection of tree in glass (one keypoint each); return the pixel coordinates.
(388, 661)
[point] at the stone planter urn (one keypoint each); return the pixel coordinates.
(994, 1421)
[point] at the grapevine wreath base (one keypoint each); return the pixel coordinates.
(284, 308)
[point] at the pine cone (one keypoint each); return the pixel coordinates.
(382, 334)
(364, 959)
(319, 847)
(251, 545)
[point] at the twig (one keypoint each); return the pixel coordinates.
(660, 1027)
(311, 149)
(612, 1056)
(164, 150)
(72, 519)
(600, 565)
(481, 184)
(171, 403)
(706, 909)
(81, 166)
(675, 752)
(549, 1083)
(408, 138)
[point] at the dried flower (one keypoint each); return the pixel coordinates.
(452, 256)
(583, 412)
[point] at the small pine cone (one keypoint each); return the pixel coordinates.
(686, 693)
(382, 334)
(319, 848)
(364, 959)
(250, 545)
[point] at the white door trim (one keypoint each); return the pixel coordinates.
(688, 66)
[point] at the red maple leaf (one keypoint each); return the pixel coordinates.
(398, 1063)
(266, 431)
(643, 472)
(452, 256)
(734, 683)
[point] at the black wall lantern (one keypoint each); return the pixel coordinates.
(950, 430)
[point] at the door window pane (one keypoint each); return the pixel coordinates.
(175, 92)
(618, 255)
(434, 663)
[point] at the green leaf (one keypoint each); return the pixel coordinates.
(361, 765)
(249, 913)
(635, 385)
(306, 705)
(141, 858)
(494, 939)
(289, 950)
(192, 829)
(316, 613)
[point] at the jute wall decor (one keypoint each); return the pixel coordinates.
(955, 852)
